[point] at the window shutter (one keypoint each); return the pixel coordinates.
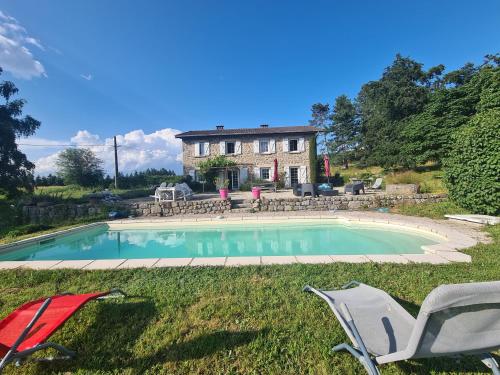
(191, 172)
(271, 174)
(197, 149)
(237, 148)
(303, 174)
(243, 174)
(222, 146)
(256, 146)
(256, 172)
(272, 146)
(207, 148)
(285, 144)
(287, 177)
(302, 145)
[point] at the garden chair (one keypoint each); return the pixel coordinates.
(453, 320)
(377, 185)
(26, 330)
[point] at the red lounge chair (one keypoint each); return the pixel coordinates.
(27, 329)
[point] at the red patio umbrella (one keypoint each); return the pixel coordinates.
(326, 160)
(275, 174)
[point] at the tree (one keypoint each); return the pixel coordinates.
(16, 171)
(79, 166)
(344, 129)
(428, 136)
(384, 105)
(321, 120)
(472, 169)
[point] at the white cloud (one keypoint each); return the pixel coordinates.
(15, 56)
(87, 77)
(137, 150)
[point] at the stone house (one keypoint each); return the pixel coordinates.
(254, 151)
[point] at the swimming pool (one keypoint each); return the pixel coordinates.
(244, 239)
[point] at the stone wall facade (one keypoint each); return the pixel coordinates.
(59, 212)
(180, 208)
(346, 202)
(247, 158)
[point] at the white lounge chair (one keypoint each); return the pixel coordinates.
(377, 185)
(453, 320)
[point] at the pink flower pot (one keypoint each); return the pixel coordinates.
(224, 193)
(256, 192)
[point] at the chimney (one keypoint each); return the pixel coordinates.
(220, 127)
(264, 126)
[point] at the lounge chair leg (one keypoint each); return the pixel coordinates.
(490, 362)
(367, 363)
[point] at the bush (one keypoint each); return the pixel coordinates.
(473, 167)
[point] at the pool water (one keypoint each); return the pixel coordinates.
(223, 241)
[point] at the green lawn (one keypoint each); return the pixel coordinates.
(248, 320)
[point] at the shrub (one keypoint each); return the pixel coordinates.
(472, 170)
(209, 168)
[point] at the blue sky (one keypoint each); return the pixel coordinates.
(118, 67)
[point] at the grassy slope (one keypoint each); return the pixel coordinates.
(432, 210)
(429, 178)
(248, 320)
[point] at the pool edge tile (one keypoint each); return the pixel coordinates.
(173, 262)
(72, 264)
(349, 258)
(208, 261)
(41, 264)
(285, 259)
(243, 261)
(138, 263)
(313, 259)
(11, 264)
(104, 264)
(387, 258)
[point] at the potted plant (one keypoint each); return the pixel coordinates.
(222, 184)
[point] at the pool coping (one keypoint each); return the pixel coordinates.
(445, 251)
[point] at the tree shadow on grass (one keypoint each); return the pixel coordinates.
(107, 342)
(199, 347)
(207, 344)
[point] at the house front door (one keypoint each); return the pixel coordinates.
(234, 180)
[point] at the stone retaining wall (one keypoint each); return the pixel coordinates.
(58, 212)
(180, 207)
(345, 202)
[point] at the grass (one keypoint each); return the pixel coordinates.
(78, 193)
(429, 178)
(246, 320)
(432, 210)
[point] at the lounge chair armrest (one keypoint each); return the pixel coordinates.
(114, 293)
(306, 288)
(350, 283)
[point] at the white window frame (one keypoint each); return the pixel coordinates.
(264, 141)
(227, 148)
(201, 149)
(290, 144)
(298, 174)
(268, 173)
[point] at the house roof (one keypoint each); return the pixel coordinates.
(249, 131)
